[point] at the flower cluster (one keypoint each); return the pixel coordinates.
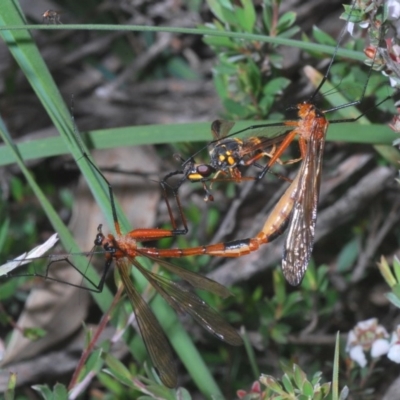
(254, 393)
(371, 15)
(368, 337)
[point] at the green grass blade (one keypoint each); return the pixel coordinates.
(198, 131)
(335, 373)
(277, 40)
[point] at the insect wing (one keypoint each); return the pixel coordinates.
(153, 335)
(196, 280)
(185, 300)
(221, 128)
(300, 237)
(263, 142)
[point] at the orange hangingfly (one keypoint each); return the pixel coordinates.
(298, 206)
(124, 251)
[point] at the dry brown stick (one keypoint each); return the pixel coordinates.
(373, 242)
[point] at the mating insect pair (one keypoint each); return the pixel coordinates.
(297, 208)
(296, 211)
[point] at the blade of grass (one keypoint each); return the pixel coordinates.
(173, 133)
(277, 40)
(335, 373)
(250, 354)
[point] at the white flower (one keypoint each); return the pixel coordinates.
(371, 323)
(393, 7)
(379, 348)
(351, 25)
(394, 80)
(357, 354)
(350, 28)
(394, 351)
(351, 340)
(367, 336)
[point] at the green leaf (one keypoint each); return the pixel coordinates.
(307, 389)
(325, 389)
(290, 32)
(5, 225)
(118, 369)
(219, 42)
(290, 302)
(396, 268)
(223, 10)
(352, 14)
(299, 376)
(348, 255)
(276, 86)
(322, 37)
(60, 392)
(279, 332)
(279, 286)
(396, 289)
(316, 378)
(309, 282)
(235, 108)
(34, 333)
(393, 299)
(95, 361)
(267, 16)
(180, 69)
(271, 383)
(183, 394)
(246, 15)
(286, 21)
(17, 189)
(287, 384)
(44, 390)
(9, 394)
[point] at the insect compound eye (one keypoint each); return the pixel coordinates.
(205, 170)
(108, 248)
